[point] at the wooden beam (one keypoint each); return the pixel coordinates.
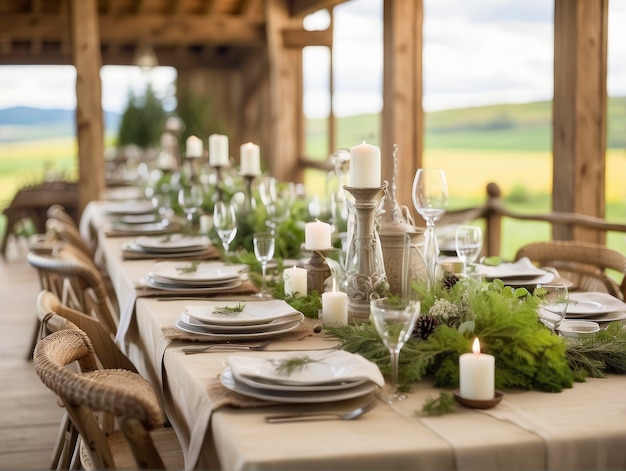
(286, 94)
(153, 28)
(299, 38)
(579, 112)
(402, 117)
(89, 117)
(301, 8)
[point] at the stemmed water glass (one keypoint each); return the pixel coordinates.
(264, 246)
(555, 301)
(225, 223)
(190, 199)
(430, 198)
(394, 319)
(469, 242)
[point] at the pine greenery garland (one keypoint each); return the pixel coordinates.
(528, 356)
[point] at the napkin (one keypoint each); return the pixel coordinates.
(521, 268)
(326, 367)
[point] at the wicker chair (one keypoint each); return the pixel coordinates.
(141, 442)
(54, 316)
(585, 264)
(77, 282)
(61, 224)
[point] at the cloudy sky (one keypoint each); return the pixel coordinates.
(475, 53)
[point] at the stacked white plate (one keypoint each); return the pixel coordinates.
(175, 245)
(595, 306)
(201, 277)
(324, 376)
(519, 273)
(255, 320)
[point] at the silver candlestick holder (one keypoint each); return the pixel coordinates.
(218, 182)
(365, 269)
(317, 271)
(248, 179)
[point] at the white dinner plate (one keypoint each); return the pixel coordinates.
(132, 247)
(153, 283)
(267, 385)
(173, 243)
(240, 336)
(205, 272)
(327, 367)
(254, 312)
(137, 218)
(522, 269)
(293, 397)
(148, 228)
(592, 302)
(276, 324)
(601, 317)
(121, 208)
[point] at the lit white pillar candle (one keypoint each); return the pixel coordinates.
(365, 165)
(477, 374)
(295, 281)
(317, 235)
(218, 150)
(334, 308)
(194, 147)
(250, 156)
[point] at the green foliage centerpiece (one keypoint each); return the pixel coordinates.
(528, 356)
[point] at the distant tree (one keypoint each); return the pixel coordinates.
(142, 121)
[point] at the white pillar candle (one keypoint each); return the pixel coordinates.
(218, 150)
(250, 156)
(477, 374)
(334, 308)
(194, 147)
(206, 223)
(365, 171)
(295, 281)
(317, 235)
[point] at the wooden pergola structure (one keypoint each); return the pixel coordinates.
(247, 56)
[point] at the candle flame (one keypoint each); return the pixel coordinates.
(476, 346)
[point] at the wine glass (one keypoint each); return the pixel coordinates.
(430, 198)
(190, 199)
(264, 246)
(225, 223)
(469, 243)
(555, 301)
(394, 319)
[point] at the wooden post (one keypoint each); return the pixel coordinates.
(402, 117)
(89, 118)
(286, 94)
(579, 112)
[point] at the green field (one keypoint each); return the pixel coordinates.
(506, 144)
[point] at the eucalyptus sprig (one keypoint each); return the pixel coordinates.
(291, 364)
(229, 309)
(190, 269)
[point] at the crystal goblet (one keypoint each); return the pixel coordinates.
(264, 246)
(225, 223)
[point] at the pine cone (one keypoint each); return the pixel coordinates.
(449, 279)
(424, 327)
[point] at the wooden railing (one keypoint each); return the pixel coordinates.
(493, 211)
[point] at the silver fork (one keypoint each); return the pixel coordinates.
(225, 347)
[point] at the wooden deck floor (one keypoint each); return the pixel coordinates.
(29, 413)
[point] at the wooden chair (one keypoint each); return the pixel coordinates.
(53, 317)
(63, 227)
(585, 264)
(141, 441)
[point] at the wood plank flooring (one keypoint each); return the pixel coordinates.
(29, 413)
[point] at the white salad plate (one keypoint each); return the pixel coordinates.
(591, 303)
(121, 208)
(215, 287)
(326, 367)
(204, 272)
(173, 243)
(253, 313)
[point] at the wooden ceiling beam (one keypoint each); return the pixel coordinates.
(300, 8)
(154, 28)
(299, 38)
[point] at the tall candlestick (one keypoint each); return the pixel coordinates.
(334, 308)
(194, 147)
(250, 156)
(477, 374)
(295, 281)
(218, 150)
(317, 235)
(365, 166)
